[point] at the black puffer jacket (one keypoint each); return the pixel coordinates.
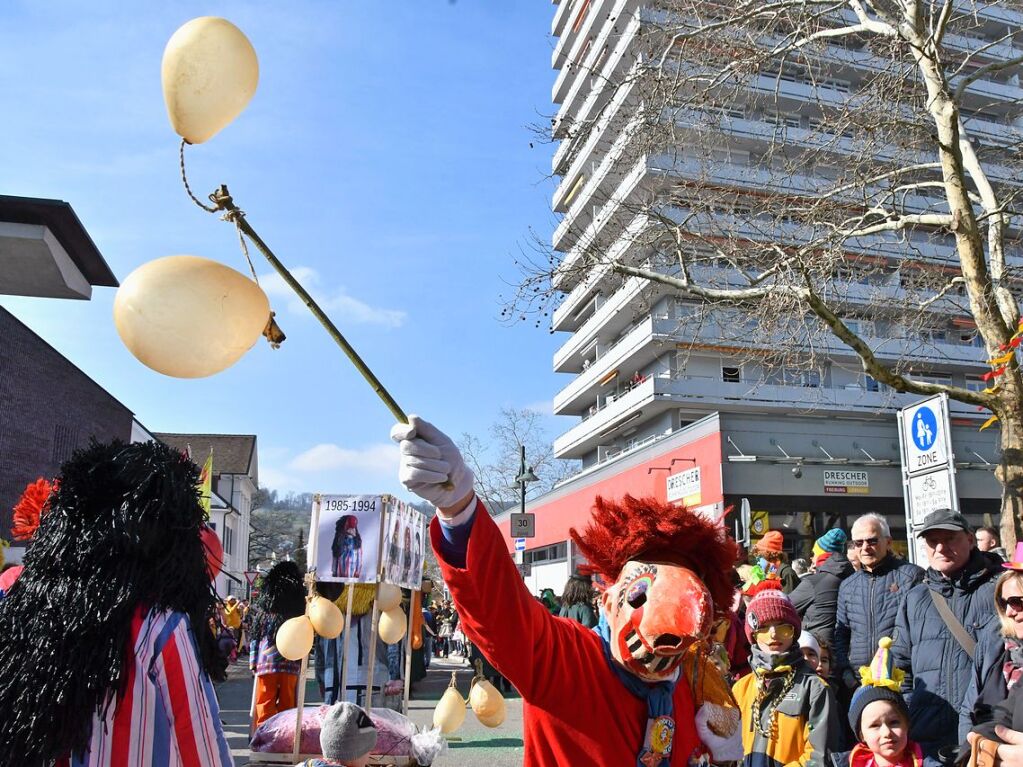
(938, 670)
(816, 596)
(868, 604)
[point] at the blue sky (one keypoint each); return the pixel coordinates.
(385, 157)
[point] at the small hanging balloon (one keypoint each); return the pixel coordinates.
(294, 638)
(189, 317)
(450, 711)
(392, 626)
(487, 703)
(209, 75)
(326, 618)
(388, 596)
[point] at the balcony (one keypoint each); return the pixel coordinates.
(561, 16)
(700, 396)
(636, 349)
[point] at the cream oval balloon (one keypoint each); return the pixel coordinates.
(294, 638)
(450, 711)
(388, 596)
(327, 619)
(485, 700)
(494, 720)
(189, 317)
(209, 74)
(392, 626)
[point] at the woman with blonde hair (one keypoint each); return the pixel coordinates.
(998, 659)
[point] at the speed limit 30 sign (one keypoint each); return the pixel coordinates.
(523, 525)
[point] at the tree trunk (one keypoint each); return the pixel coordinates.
(1010, 474)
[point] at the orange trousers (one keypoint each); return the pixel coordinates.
(274, 693)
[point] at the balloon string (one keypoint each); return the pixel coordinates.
(231, 215)
(235, 216)
(184, 180)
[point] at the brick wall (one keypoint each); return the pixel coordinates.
(48, 407)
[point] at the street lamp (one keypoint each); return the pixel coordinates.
(525, 475)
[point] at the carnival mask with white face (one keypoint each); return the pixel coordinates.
(656, 611)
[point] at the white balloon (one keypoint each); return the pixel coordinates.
(294, 638)
(209, 75)
(388, 596)
(392, 626)
(326, 618)
(450, 711)
(189, 317)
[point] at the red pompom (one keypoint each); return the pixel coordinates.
(214, 551)
(645, 528)
(30, 507)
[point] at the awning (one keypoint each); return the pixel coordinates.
(608, 378)
(963, 322)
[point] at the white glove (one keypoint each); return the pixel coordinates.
(724, 748)
(428, 460)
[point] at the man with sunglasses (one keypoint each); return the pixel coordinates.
(938, 626)
(869, 600)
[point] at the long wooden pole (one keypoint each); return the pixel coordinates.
(223, 201)
(384, 516)
(347, 639)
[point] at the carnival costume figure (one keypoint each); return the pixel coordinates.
(281, 596)
(105, 657)
(637, 690)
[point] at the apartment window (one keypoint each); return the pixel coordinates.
(872, 384)
(731, 374)
(975, 383)
(731, 156)
(781, 119)
(228, 539)
(934, 378)
(553, 553)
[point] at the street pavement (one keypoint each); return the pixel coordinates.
(473, 745)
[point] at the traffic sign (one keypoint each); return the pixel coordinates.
(523, 525)
(251, 575)
(520, 544)
(925, 435)
(928, 466)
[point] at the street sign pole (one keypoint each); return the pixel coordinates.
(928, 466)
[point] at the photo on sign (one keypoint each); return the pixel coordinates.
(404, 546)
(347, 538)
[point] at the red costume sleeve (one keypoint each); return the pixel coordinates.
(510, 627)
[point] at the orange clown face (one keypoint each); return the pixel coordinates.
(656, 610)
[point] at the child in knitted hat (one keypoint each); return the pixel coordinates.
(347, 737)
(788, 714)
(879, 717)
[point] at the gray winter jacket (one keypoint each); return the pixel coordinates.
(868, 604)
(816, 596)
(938, 670)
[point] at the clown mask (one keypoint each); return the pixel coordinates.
(655, 610)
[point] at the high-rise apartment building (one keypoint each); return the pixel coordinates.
(672, 401)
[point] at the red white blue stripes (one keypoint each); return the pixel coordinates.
(168, 716)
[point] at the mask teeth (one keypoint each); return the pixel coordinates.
(633, 642)
(664, 663)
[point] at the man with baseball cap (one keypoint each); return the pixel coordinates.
(938, 626)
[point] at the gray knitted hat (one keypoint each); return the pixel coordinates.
(347, 733)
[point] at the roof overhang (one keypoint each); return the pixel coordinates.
(45, 251)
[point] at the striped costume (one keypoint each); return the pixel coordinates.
(168, 716)
(349, 562)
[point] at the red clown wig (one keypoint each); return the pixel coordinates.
(645, 528)
(30, 507)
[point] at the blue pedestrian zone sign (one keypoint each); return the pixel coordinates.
(925, 428)
(520, 544)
